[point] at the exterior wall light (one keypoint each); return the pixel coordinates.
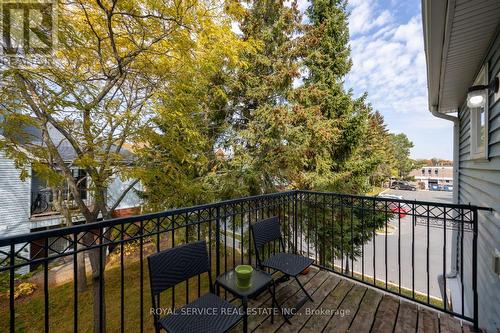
(476, 95)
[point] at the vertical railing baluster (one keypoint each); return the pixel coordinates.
(217, 244)
(46, 283)
(233, 226)
(75, 282)
(294, 238)
(316, 243)
(352, 237)
(308, 224)
(362, 239)
(414, 220)
(101, 281)
(427, 255)
(385, 241)
(342, 235)
(224, 218)
(173, 245)
(12, 311)
(399, 247)
(122, 279)
(445, 296)
(300, 223)
(332, 231)
(210, 212)
(141, 264)
(242, 218)
(462, 258)
(186, 236)
(157, 225)
(474, 269)
(323, 232)
(374, 243)
(198, 217)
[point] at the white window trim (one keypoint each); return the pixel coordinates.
(477, 151)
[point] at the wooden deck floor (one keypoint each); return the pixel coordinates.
(341, 305)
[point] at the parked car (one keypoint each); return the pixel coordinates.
(436, 187)
(402, 185)
(395, 207)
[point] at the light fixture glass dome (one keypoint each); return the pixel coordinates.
(476, 98)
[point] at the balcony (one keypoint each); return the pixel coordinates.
(380, 264)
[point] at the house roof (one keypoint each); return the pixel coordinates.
(457, 36)
(66, 150)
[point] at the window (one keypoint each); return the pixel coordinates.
(436, 171)
(81, 182)
(423, 172)
(479, 123)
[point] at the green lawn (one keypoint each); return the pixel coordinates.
(375, 191)
(30, 310)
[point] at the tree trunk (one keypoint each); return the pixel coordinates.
(81, 270)
(61, 206)
(98, 304)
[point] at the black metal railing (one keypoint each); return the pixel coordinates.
(400, 246)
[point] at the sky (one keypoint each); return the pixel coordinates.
(388, 57)
(389, 63)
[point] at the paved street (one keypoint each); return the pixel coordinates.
(436, 236)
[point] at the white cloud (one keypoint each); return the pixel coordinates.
(389, 63)
(364, 16)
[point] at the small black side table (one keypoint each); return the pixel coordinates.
(259, 281)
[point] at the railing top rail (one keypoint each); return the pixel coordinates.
(69, 230)
(417, 202)
(15, 239)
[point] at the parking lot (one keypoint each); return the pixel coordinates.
(400, 241)
(435, 196)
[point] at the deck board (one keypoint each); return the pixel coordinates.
(305, 312)
(347, 310)
(407, 318)
(282, 294)
(387, 312)
(448, 325)
(317, 322)
(310, 286)
(364, 309)
(428, 321)
(366, 312)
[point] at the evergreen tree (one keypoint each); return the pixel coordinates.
(326, 60)
(339, 156)
(260, 99)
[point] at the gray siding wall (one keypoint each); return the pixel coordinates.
(479, 184)
(14, 201)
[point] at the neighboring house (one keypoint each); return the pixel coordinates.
(426, 177)
(462, 45)
(27, 207)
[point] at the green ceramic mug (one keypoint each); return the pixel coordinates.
(243, 275)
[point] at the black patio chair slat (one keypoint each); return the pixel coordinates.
(208, 313)
(268, 230)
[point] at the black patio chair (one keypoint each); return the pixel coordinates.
(172, 266)
(291, 265)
